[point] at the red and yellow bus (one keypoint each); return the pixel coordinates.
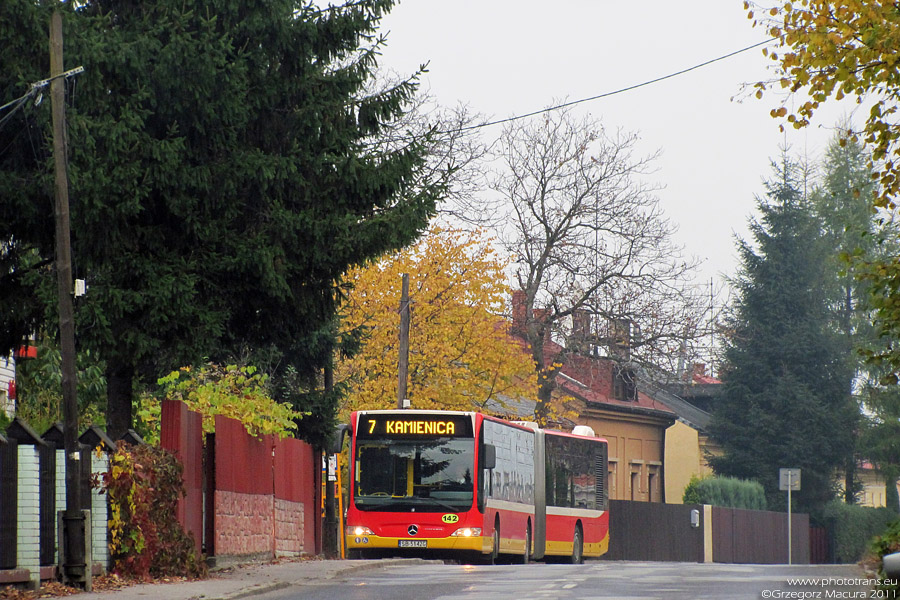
(449, 483)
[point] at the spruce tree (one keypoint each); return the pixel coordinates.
(784, 402)
(850, 228)
(861, 238)
(224, 169)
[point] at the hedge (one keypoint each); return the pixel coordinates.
(726, 491)
(853, 527)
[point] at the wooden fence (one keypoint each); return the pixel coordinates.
(758, 537)
(667, 532)
(653, 531)
(32, 491)
(247, 497)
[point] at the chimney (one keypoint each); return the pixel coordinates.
(581, 330)
(697, 370)
(620, 338)
(520, 317)
(518, 312)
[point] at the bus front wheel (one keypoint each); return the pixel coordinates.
(578, 547)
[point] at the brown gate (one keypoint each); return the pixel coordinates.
(758, 537)
(654, 531)
(819, 546)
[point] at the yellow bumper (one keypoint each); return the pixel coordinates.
(474, 543)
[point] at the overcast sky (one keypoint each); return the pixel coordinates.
(509, 57)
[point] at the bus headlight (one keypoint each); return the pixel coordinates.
(358, 530)
(467, 532)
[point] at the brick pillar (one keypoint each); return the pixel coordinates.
(60, 489)
(99, 515)
(28, 551)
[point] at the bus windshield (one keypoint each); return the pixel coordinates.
(433, 475)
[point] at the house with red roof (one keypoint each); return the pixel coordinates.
(688, 443)
(604, 394)
(657, 438)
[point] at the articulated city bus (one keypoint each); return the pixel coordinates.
(449, 483)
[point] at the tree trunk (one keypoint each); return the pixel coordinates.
(891, 497)
(850, 482)
(545, 395)
(119, 391)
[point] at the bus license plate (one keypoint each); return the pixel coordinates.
(413, 543)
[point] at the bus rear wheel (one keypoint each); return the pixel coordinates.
(527, 557)
(578, 547)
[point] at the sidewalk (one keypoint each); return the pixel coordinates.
(244, 581)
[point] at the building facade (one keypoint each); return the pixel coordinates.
(8, 385)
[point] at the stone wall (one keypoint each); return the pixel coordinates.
(288, 527)
(245, 523)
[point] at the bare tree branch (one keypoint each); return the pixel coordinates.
(591, 244)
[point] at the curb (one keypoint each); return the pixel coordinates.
(370, 565)
(254, 590)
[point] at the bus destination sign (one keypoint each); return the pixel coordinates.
(414, 426)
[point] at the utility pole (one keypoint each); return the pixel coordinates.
(74, 560)
(331, 535)
(404, 344)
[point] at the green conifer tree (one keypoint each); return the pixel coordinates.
(843, 202)
(785, 401)
(224, 170)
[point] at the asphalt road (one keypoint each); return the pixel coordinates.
(601, 580)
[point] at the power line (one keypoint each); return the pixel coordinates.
(34, 88)
(19, 102)
(613, 93)
(37, 85)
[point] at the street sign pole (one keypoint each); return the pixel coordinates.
(790, 530)
(789, 480)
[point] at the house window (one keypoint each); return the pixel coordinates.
(637, 471)
(613, 480)
(653, 483)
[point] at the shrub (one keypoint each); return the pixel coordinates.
(144, 484)
(691, 494)
(233, 391)
(886, 543)
(852, 528)
(725, 491)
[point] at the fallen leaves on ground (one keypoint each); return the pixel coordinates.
(103, 583)
(50, 589)
(112, 582)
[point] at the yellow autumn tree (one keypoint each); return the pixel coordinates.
(838, 48)
(461, 356)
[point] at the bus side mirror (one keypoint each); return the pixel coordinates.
(336, 443)
(489, 456)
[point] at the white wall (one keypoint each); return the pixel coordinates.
(7, 374)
